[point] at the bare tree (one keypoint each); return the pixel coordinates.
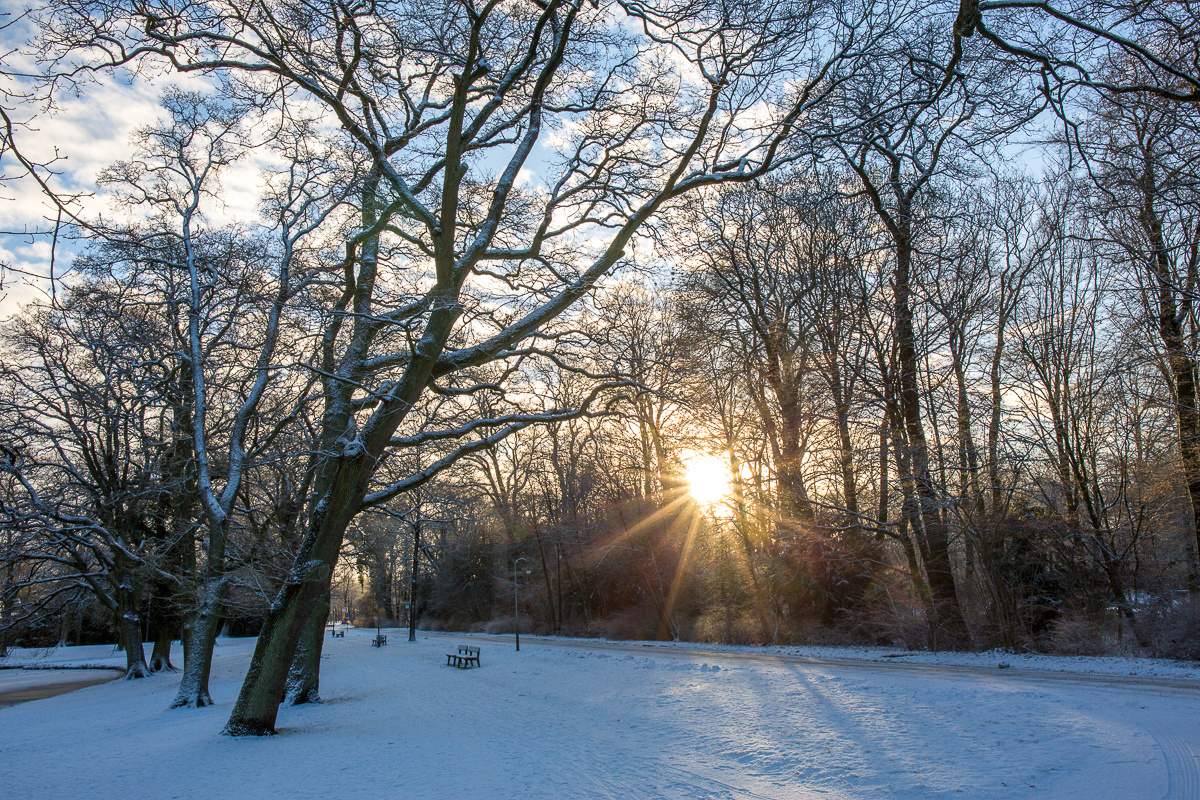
(701, 96)
(215, 299)
(917, 123)
(85, 486)
(1071, 43)
(1141, 155)
(1074, 357)
(752, 268)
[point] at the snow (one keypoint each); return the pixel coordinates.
(573, 719)
(87, 657)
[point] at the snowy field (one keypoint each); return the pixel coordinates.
(566, 719)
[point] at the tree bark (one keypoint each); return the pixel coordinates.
(200, 637)
(160, 656)
(304, 676)
(131, 634)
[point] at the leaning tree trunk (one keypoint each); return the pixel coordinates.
(265, 685)
(304, 676)
(343, 476)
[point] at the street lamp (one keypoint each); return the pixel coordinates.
(412, 578)
(517, 599)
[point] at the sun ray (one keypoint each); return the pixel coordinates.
(685, 558)
(670, 508)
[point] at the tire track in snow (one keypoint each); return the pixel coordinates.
(734, 791)
(1183, 775)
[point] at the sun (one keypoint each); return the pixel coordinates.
(707, 477)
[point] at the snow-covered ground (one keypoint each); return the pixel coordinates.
(566, 719)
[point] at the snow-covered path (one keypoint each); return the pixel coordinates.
(562, 721)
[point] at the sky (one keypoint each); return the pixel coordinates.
(84, 132)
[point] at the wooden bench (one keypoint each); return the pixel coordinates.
(379, 641)
(334, 632)
(465, 658)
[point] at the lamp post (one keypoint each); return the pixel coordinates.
(517, 599)
(412, 579)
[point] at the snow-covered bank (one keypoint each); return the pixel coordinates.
(99, 656)
(558, 721)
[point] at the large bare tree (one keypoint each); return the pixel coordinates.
(511, 152)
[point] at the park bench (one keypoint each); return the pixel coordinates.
(465, 658)
(379, 641)
(334, 632)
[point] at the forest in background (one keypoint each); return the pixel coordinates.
(926, 296)
(1045, 394)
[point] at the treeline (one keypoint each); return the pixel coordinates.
(1054, 472)
(957, 405)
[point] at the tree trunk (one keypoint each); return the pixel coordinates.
(304, 676)
(265, 684)
(200, 637)
(947, 624)
(885, 434)
(1112, 572)
(555, 624)
(841, 398)
(160, 656)
(995, 416)
(971, 496)
(131, 634)
(1182, 362)
(969, 488)
(264, 687)
(794, 498)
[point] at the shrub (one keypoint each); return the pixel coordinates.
(1171, 628)
(1077, 634)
